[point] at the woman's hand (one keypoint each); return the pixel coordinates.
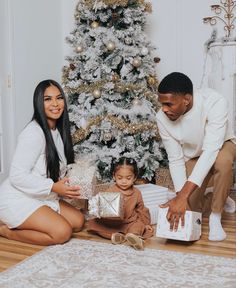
(62, 188)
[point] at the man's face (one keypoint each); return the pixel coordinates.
(174, 105)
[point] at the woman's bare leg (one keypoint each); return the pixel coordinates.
(43, 227)
(74, 216)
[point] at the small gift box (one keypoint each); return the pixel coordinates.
(190, 232)
(106, 205)
(82, 174)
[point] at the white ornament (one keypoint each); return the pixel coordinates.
(128, 41)
(144, 51)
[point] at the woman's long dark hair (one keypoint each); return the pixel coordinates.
(62, 124)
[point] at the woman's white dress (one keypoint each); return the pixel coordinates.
(27, 188)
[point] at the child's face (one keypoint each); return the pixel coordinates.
(124, 177)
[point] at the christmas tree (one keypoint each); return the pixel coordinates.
(111, 85)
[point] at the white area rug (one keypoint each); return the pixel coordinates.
(82, 263)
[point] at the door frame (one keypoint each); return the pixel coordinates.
(7, 103)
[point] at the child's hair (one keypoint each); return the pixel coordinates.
(117, 163)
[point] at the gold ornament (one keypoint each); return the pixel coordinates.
(94, 24)
(96, 93)
(151, 80)
(115, 77)
(79, 49)
(136, 62)
(111, 46)
(148, 7)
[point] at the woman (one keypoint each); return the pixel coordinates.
(31, 207)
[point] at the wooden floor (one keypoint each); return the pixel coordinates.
(12, 252)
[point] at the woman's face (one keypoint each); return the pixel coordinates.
(53, 105)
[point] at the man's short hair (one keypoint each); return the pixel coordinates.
(176, 83)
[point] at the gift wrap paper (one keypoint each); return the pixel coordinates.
(106, 205)
(84, 177)
(190, 232)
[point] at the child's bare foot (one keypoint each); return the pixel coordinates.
(3, 230)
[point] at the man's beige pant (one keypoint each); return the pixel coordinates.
(220, 177)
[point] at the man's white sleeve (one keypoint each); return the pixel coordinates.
(175, 157)
(215, 131)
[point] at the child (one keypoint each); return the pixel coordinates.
(135, 226)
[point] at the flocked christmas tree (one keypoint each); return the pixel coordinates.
(111, 85)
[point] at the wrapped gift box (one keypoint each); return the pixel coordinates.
(82, 174)
(153, 196)
(190, 232)
(106, 205)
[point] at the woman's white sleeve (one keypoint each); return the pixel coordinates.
(30, 146)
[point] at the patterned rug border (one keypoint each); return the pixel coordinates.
(31, 271)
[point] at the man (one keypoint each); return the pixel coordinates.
(200, 145)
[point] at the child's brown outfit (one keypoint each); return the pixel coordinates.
(136, 217)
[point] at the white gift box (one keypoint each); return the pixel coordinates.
(153, 196)
(190, 232)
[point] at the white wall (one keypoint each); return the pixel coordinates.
(37, 51)
(177, 30)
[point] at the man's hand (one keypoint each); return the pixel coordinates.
(62, 188)
(177, 207)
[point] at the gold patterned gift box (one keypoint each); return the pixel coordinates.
(106, 205)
